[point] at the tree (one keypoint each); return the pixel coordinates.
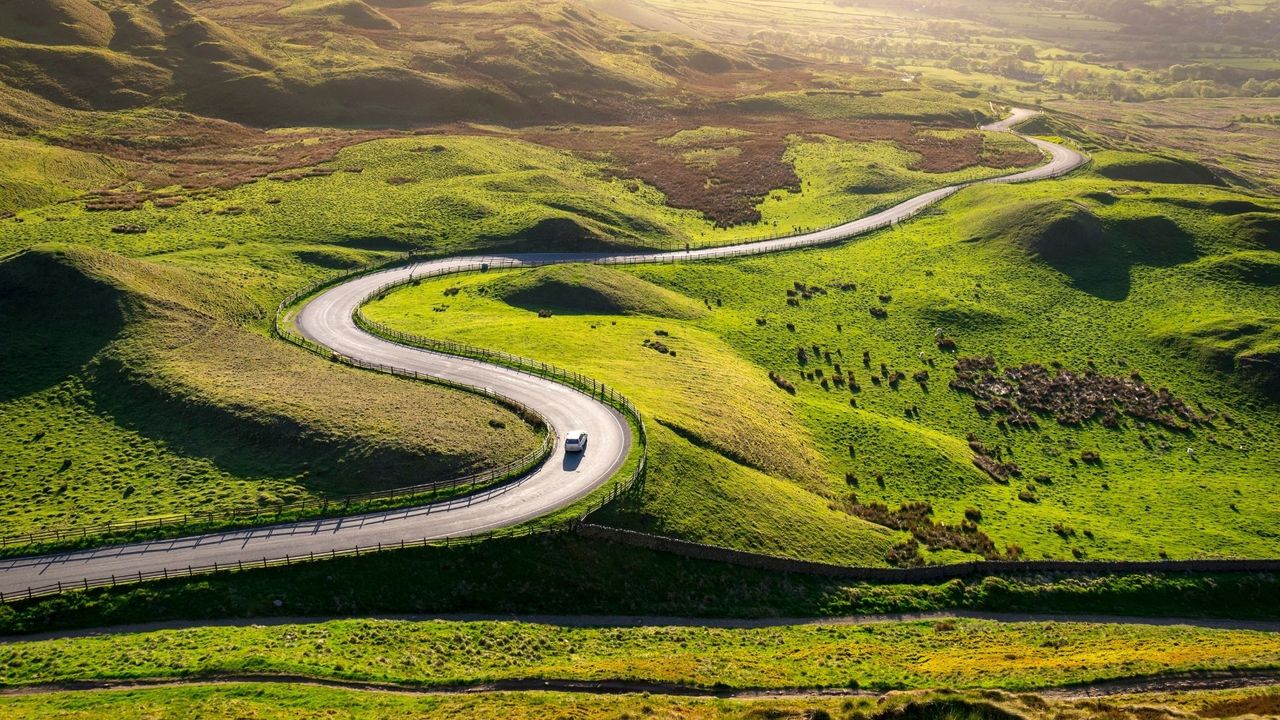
(1027, 52)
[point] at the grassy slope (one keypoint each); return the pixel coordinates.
(454, 193)
(958, 654)
(1170, 251)
(133, 389)
(700, 393)
(33, 174)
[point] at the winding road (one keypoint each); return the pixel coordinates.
(563, 479)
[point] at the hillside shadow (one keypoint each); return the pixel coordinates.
(1100, 262)
(53, 321)
(1106, 280)
(274, 447)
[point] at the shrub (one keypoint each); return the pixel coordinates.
(946, 344)
(884, 298)
(1028, 496)
(973, 514)
(129, 229)
(761, 321)
(661, 333)
(782, 382)
(659, 346)
(544, 313)
(879, 313)
(1091, 456)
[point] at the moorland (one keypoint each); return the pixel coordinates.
(1084, 368)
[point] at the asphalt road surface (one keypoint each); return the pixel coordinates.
(560, 481)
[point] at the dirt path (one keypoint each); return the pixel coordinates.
(666, 621)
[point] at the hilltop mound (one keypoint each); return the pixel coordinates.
(163, 352)
(1141, 167)
(1257, 229)
(1257, 267)
(1051, 230)
(56, 22)
(81, 77)
(48, 336)
(352, 12)
(199, 44)
(591, 289)
(1245, 346)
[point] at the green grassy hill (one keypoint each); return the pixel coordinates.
(347, 61)
(134, 389)
(1131, 289)
(34, 174)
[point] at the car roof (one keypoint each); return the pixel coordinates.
(576, 433)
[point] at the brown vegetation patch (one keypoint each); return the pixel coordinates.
(1260, 705)
(749, 165)
(1071, 398)
(917, 519)
(199, 153)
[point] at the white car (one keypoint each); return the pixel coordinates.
(575, 441)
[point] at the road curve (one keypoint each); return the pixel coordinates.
(560, 481)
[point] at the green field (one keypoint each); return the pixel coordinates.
(1070, 272)
(300, 701)
(962, 654)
